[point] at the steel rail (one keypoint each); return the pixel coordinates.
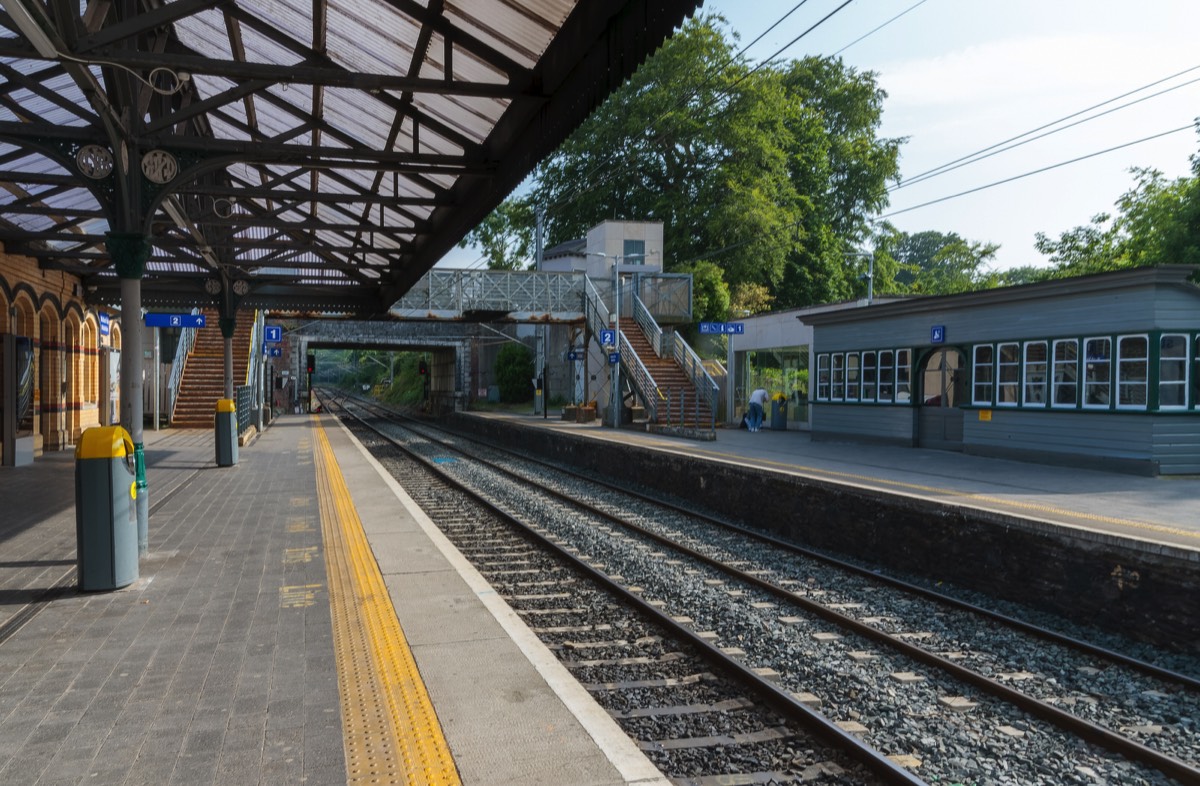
(1087, 730)
(778, 698)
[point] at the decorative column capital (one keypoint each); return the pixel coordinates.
(129, 252)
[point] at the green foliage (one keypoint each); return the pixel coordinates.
(932, 263)
(1157, 223)
(766, 174)
(505, 236)
(514, 370)
(407, 388)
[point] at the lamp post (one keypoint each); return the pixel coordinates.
(870, 272)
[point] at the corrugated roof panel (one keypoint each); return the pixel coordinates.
(467, 66)
(371, 37)
(293, 17)
(362, 117)
(473, 121)
(223, 130)
(522, 32)
(260, 49)
(205, 33)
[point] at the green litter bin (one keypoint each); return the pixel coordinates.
(106, 536)
(227, 447)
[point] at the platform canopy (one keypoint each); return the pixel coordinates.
(297, 155)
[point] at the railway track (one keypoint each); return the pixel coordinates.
(904, 674)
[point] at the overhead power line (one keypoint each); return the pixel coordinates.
(877, 29)
(1037, 171)
(979, 154)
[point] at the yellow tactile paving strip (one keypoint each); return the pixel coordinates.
(390, 729)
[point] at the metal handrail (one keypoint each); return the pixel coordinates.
(705, 386)
(595, 311)
(187, 339)
(642, 380)
(649, 326)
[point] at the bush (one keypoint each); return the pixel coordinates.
(514, 370)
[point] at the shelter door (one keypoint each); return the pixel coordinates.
(939, 420)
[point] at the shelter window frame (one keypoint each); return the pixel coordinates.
(1033, 389)
(837, 376)
(1065, 364)
(870, 376)
(887, 376)
(903, 376)
(1097, 376)
(982, 373)
(1133, 371)
(1008, 373)
(1173, 371)
(823, 377)
(853, 375)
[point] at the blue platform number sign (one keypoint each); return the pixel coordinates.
(614, 358)
(722, 328)
(937, 334)
(272, 334)
(608, 337)
(174, 320)
(104, 324)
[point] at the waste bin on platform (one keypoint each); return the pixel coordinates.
(227, 447)
(106, 536)
(779, 416)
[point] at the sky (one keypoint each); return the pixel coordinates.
(964, 75)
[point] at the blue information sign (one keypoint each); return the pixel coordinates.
(614, 358)
(272, 334)
(937, 334)
(720, 328)
(575, 354)
(175, 320)
(104, 324)
(608, 337)
(273, 352)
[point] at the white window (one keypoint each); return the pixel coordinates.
(822, 377)
(1097, 372)
(1066, 372)
(903, 376)
(1008, 374)
(837, 378)
(852, 377)
(1034, 390)
(887, 375)
(1133, 369)
(1172, 371)
(869, 378)
(983, 373)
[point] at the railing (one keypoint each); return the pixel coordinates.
(187, 339)
(597, 316)
(639, 375)
(706, 388)
(448, 294)
(654, 334)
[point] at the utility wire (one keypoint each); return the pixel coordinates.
(952, 164)
(877, 29)
(1038, 171)
(942, 171)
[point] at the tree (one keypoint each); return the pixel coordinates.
(768, 173)
(1157, 223)
(505, 236)
(514, 370)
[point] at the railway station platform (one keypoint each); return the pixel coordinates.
(1163, 510)
(296, 620)
(299, 620)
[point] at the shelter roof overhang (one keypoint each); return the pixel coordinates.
(307, 156)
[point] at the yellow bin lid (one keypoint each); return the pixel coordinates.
(102, 442)
(226, 405)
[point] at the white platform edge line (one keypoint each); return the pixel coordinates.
(614, 743)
